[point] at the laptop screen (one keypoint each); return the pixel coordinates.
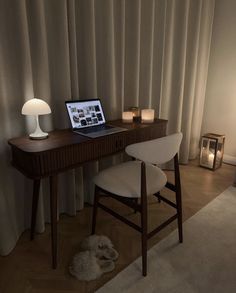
(85, 113)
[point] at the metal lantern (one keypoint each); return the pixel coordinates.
(212, 150)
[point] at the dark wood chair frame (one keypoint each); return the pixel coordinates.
(142, 208)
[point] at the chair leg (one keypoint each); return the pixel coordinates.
(179, 212)
(157, 196)
(95, 207)
(144, 219)
(178, 198)
(136, 202)
(144, 239)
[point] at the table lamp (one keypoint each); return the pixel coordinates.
(36, 107)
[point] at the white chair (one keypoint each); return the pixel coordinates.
(133, 180)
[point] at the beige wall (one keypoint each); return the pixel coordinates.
(220, 105)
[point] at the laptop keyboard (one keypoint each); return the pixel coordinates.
(95, 129)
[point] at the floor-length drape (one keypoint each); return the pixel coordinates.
(151, 53)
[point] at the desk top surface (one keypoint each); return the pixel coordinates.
(65, 137)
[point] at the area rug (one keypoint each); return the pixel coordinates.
(205, 262)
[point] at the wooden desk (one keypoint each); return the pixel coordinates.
(65, 150)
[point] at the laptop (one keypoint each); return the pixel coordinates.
(87, 118)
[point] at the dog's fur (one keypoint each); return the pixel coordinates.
(101, 245)
(96, 257)
(95, 242)
(84, 266)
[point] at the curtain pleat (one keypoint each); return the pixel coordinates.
(72, 47)
(167, 63)
(150, 54)
(15, 85)
(146, 53)
(119, 51)
(86, 48)
(207, 16)
(132, 53)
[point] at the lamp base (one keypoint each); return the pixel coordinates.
(38, 133)
(38, 136)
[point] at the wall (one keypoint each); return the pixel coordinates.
(220, 104)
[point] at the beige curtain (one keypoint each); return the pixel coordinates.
(142, 53)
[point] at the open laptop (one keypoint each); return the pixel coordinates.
(87, 118)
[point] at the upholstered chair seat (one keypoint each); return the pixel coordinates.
(124, 179)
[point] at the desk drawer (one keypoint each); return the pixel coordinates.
(65, 158)
(56, 160)
(109, 145)
(74, 155)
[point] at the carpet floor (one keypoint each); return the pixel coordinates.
(204, 262)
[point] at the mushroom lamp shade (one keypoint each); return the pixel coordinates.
(36, 107)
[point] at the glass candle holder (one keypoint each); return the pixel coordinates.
(147, 115)
(136, 113)
(127, 117)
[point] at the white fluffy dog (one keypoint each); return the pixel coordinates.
(96, 257)
(101, 245)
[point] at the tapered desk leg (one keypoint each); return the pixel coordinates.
(34, 206)
(53, 202)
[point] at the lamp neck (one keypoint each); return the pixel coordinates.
(38, 133)
(38, 129)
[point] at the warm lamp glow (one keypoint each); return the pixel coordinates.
(212, 150)
(36, 107)
(147, 115)
(211, 159)
(127, 117)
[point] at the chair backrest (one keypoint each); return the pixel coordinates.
(156, 151)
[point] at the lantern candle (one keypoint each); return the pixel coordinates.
(147, 115)
(211, 159)
(127, 117)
